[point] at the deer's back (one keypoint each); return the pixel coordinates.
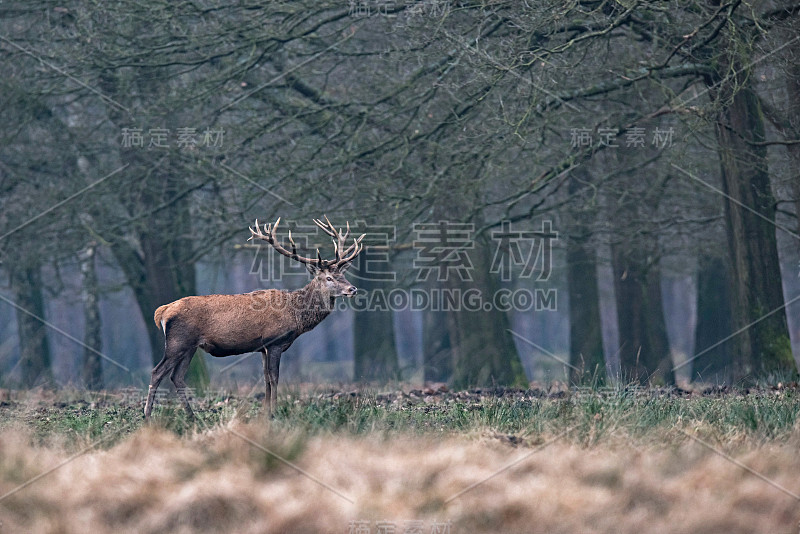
(231, 324)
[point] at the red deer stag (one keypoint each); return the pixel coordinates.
(266, 320)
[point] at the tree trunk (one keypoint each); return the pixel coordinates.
(157, 278)
(484, 353)
(755, 278)
(793, 115)
(793, 119)
(160, 269)
(34, 347)
(713, 322)
(436, 348)
(375, 353)
(585, 327)
(585, 332)
(644, 346)
(91, 368)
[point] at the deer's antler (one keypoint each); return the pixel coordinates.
(343, 255)
(268, 235)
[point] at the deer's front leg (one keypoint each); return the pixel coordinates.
(268, 392)
(274, 357)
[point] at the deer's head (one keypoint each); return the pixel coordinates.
(332, 281)
(328, 274)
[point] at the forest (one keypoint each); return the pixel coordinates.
(567, 206)
(616, 184)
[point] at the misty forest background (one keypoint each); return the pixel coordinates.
(662, 139)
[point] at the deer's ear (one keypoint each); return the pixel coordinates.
(313, 268)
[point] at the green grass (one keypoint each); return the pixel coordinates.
(759, 417)
(76, 418)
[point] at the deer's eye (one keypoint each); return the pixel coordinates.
(330, 279)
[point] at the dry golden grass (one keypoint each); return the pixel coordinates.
(217, 481)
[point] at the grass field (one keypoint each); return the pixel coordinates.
(357, 460)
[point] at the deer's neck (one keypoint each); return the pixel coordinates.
(312, 306)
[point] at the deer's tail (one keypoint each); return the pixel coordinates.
(157, 317)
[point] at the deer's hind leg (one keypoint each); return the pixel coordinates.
(159, 372)
(179, 379)
(174, 353)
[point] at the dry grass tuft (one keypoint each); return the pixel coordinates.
(216, 481)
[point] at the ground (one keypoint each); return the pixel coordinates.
(406, 460)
